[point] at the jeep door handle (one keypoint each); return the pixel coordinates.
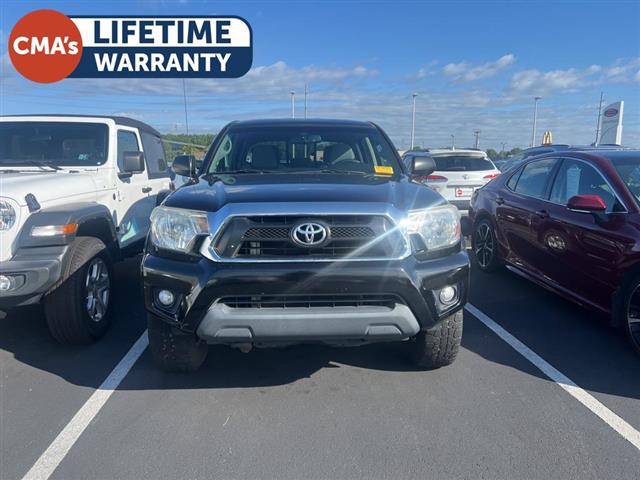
(146, 189)
(542, 213)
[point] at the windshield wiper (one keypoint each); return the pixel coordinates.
(347, 172)
(41, 164)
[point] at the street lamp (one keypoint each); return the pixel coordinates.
(477, 135)
(453, 142)
(535, 120)
(413, 121)
(293, 104)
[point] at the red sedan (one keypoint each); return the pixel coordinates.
(569, 221)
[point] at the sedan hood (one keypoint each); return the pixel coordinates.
(212, 195)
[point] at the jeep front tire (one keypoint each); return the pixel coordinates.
(78, 308)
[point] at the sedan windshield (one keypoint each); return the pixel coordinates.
(53, 143)
(629, 171)
(462, 163)
(303, 148)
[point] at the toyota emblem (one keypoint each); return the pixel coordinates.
(309, 234)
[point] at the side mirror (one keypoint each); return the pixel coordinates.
(587, 204)
(132, 162)
(184, 165)
(421, 165)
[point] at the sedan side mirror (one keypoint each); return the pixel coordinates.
(184, 165)
(587, 204)
(421, 165)
(132, 162)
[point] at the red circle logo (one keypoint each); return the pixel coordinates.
(45, 46)
(612, 112)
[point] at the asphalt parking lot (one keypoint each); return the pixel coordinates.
(316, 412)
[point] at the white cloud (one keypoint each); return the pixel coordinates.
(464, 71)
(538, 82)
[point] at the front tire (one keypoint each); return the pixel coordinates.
(485, 246)
(78, 310)
(630, 320)
(439, 345)
(174, 351)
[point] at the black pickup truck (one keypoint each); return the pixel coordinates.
(304, 231)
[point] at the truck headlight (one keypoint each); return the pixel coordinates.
(176, 228)
(7, 215)
(437, 227)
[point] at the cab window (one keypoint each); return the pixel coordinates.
(576, 177)
(154, 155)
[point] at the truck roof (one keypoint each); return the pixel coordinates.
(124, 121)
(296, 122)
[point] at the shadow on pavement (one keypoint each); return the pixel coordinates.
(573, 340)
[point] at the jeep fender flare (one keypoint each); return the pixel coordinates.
(93, 220)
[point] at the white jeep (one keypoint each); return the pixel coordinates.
(76, 193)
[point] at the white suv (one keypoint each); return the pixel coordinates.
(76, 193)
(458, 173)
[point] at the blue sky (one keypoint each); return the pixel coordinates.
(475, 65)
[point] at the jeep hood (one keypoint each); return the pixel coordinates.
(212, 195)
(46, 186)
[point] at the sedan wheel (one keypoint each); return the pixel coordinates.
(485, 246)
(633, 316)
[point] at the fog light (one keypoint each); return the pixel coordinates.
(6, 283)
(447, 295)
(166, 298)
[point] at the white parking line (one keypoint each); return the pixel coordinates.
(614, 421)
(51, 458)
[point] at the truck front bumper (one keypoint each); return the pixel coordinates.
(277, 302)
(34, 271)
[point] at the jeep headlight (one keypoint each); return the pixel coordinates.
(176, 228)
(7, 215)
(437, 227)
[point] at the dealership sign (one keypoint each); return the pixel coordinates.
(46, 46)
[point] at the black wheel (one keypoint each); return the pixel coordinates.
(438, 346)
(631, 313)
(485, 246)
(173, 350)
(78, 308)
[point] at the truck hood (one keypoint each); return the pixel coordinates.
(46, 186)
(212, 195)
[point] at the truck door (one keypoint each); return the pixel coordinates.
(134, 204)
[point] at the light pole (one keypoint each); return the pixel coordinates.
(477, 135)
(413, 121)
(504, 144)
(453, 142)
(293, 104)
(306, 91)
(535, 120)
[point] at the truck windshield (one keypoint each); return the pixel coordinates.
(53, 143)
(303, 149)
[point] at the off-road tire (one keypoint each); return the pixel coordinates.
(486, 264)
(174, 351)
(65, 304)
(439, 345)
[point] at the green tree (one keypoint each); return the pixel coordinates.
(492, 154)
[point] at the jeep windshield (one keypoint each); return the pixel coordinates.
(303, 149)
(55, 144)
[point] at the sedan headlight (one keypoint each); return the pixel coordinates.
(437, 227)
(7, 215)
(176, 228)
